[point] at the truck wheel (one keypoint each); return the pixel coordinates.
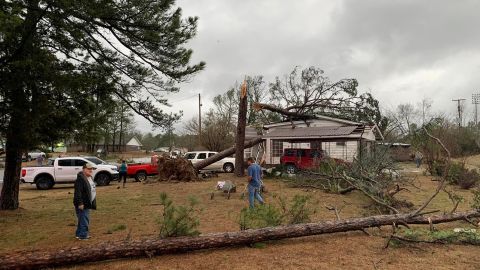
(103, 179)
(140, 176)
(44, 183)
(228, 167)
(291, 169)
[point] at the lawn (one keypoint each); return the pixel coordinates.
(46, 221)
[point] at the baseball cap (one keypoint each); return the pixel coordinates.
(88, 166)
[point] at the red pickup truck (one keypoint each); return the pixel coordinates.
(141, 170)
(294, 159)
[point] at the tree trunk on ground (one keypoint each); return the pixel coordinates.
(156, 246)
(240, 136)
(225, 153)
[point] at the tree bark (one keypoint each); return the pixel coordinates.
(156, 246)
(240, 136)
(225, 153)
(20, 123)
(263, 106)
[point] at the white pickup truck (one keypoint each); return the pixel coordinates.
(65, 170)
(226, 164)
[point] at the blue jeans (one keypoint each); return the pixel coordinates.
(83, 221)
(418, 161)
(254, 193)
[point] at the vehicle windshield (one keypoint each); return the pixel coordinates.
(190, 155)
(95, 160)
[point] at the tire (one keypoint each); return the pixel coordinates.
(291, 169)
(103, 179)
(228, 167)
(44, 182)
(140, 176)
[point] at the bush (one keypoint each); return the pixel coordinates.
(298, 211)
(178, 220)
(476, 199)
(458, 174)
(260, 217)
(468, 179)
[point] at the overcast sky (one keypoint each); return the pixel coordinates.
(399, 50)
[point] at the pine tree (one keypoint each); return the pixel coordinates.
(47, 45)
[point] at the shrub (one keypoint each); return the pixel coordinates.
(178, 220)
(468, 179)
(299, 210)
(260, 217)
(476, 199)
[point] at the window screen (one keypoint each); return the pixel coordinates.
(277, 148)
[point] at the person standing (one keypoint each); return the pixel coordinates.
(418, 158)
(40, 159)
(254, 182)
(123, 172)
(84, 199)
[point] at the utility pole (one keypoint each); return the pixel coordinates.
(199, 120)
(476, 101)
(459, 109)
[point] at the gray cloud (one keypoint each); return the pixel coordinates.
(400, 50)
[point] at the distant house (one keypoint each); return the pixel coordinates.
(338, 138)
(133, 144)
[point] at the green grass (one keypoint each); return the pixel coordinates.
(117, 227)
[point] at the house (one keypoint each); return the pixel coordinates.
(338, 138)
(133, 144)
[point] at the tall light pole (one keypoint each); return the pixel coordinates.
(476, 101)
(459, 108)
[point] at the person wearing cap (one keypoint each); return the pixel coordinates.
(84, 199)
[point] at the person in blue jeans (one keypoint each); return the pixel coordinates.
(84, 199)
(254, 182)
(123, 173)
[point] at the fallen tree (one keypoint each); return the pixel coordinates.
(225, 153)
(175, 169)
(158, 246)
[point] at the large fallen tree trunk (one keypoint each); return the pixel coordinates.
(151, 247)
(225, 153)
(262, 106)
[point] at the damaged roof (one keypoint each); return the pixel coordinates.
(312, 132)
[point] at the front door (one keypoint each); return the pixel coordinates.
(65, 170)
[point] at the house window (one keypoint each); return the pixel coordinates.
(277, 148)
(340, 143)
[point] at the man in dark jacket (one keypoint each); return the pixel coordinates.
(84, 199)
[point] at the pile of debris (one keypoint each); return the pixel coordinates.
(178, 169)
